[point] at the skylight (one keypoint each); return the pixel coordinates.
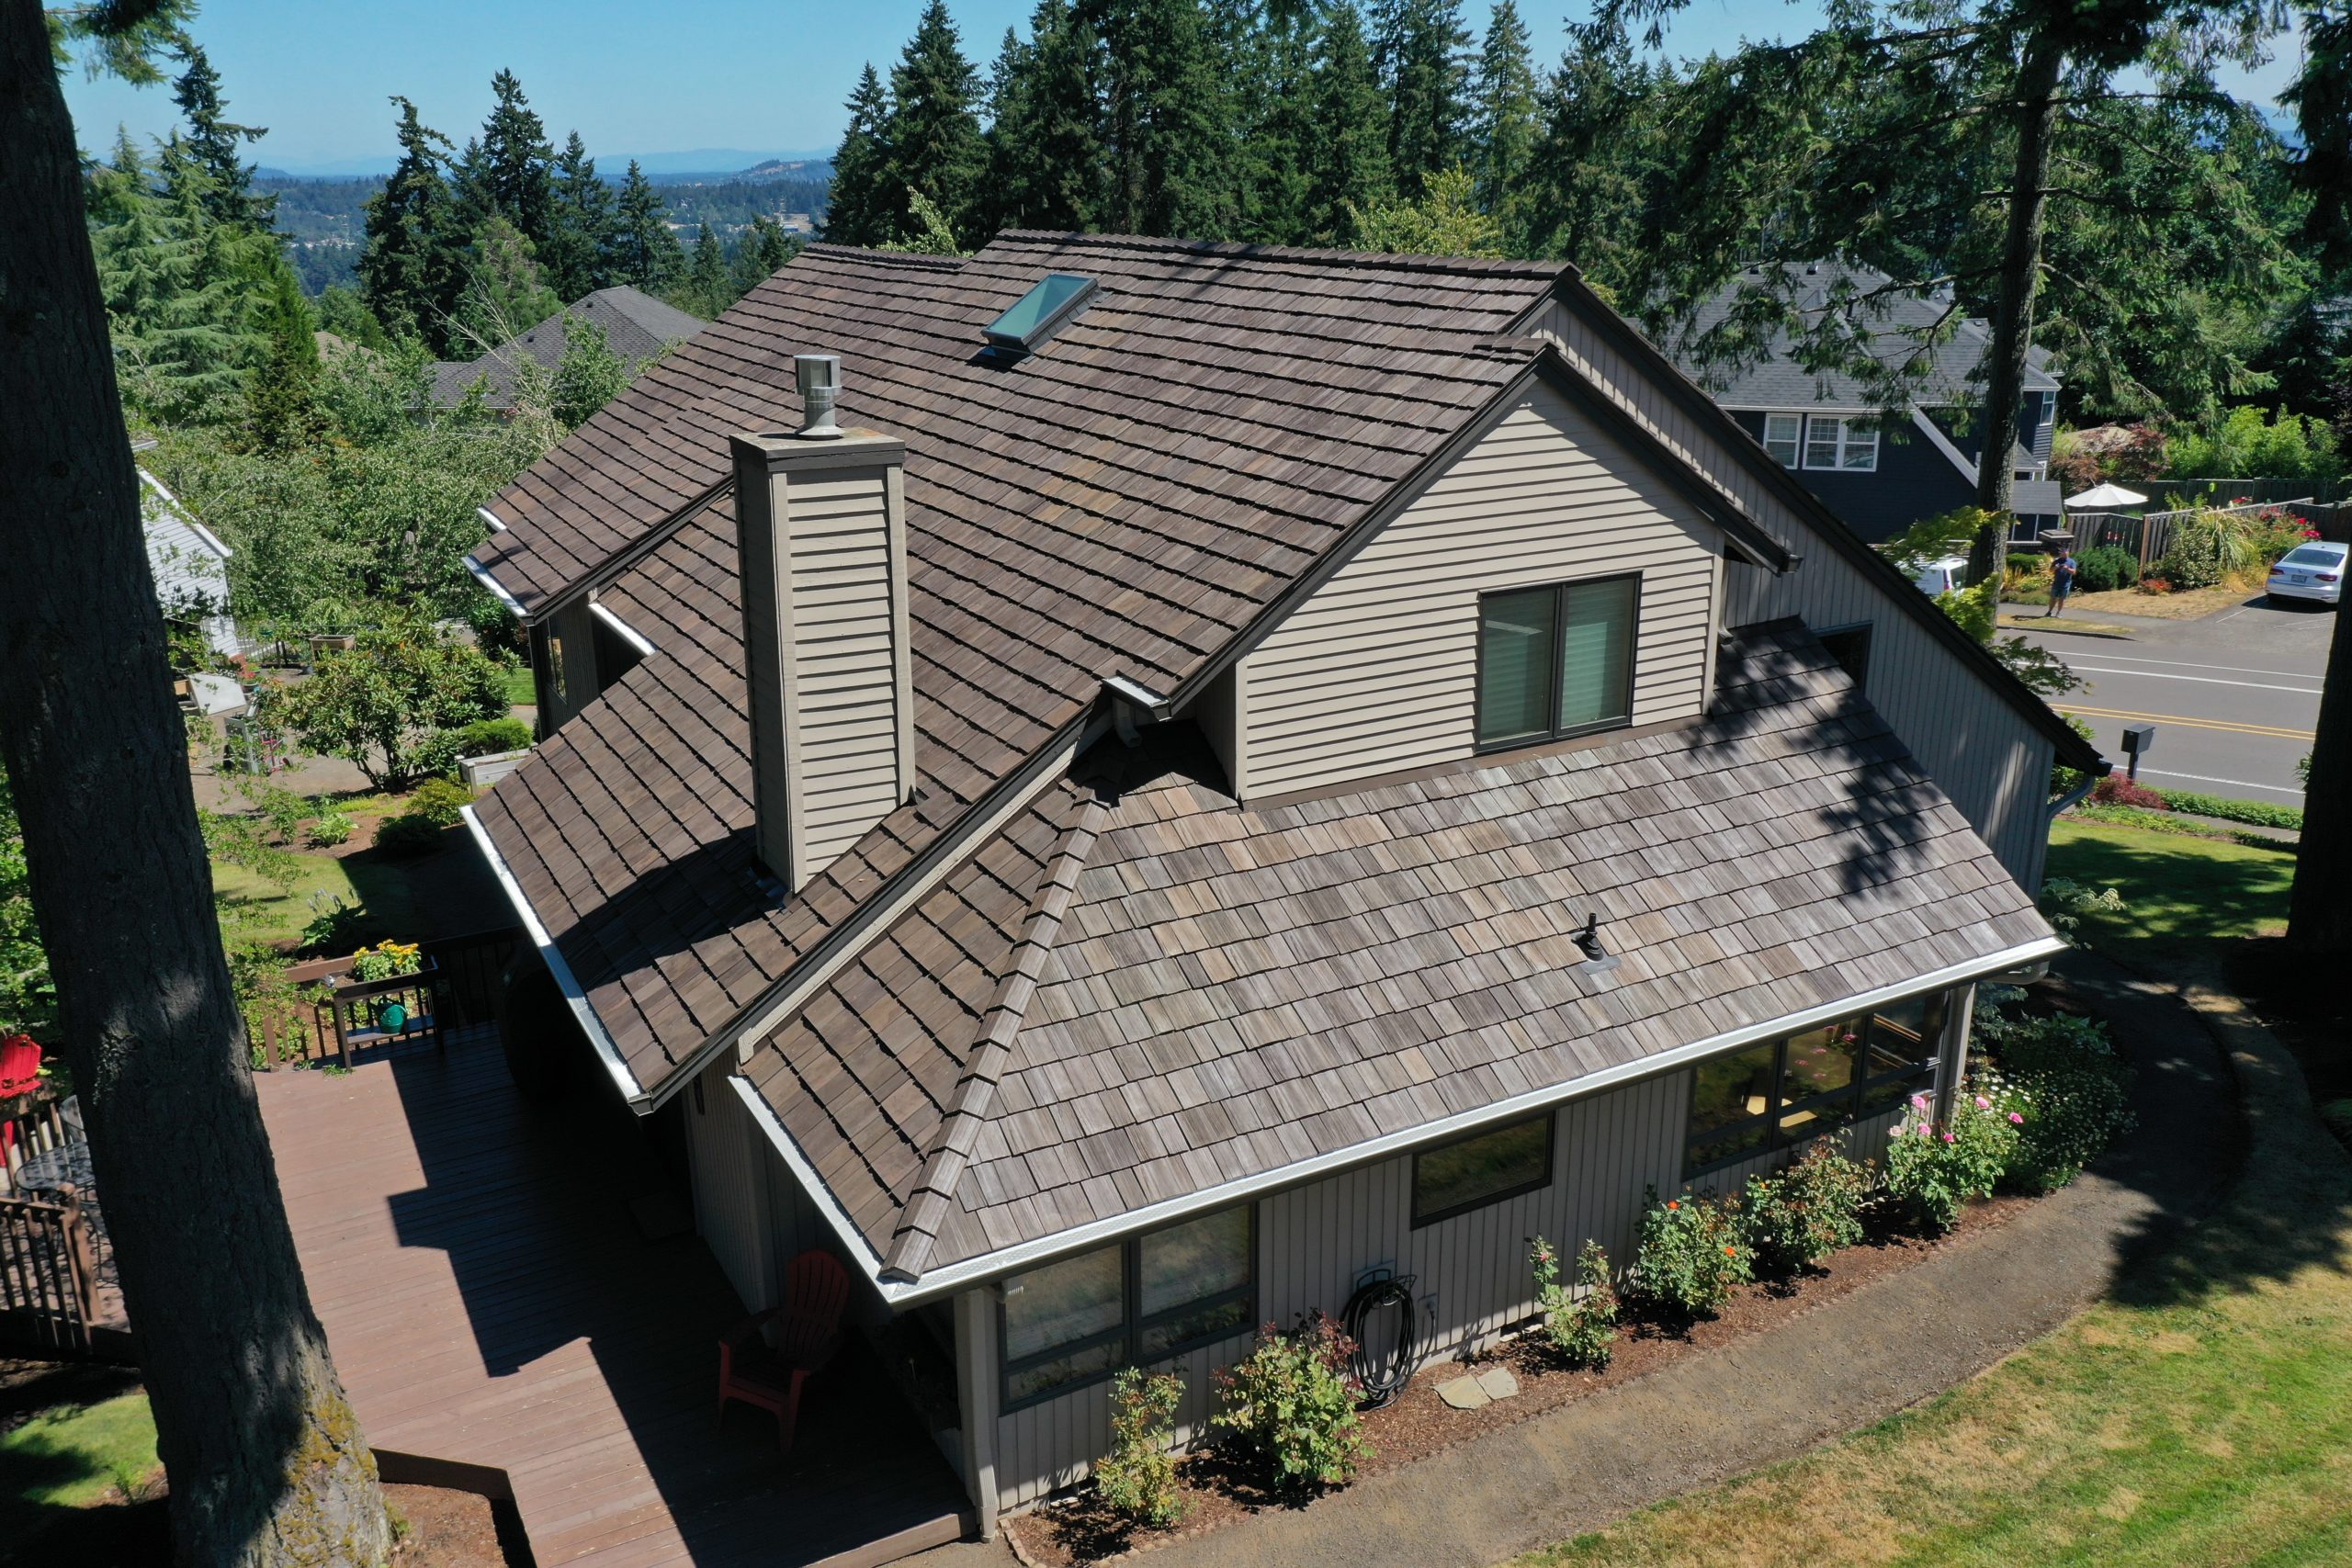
(1039, 313)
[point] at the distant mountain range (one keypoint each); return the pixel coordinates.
(709, 162)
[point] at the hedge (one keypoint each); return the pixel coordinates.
(2254, 812)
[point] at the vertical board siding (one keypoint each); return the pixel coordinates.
(1376, 671)
(1983, 753)
(726, 1156)
(845, 738)
(1052, 1444)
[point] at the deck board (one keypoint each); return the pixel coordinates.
(490, 1304)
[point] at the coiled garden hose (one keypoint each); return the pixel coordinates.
(1384, 1378)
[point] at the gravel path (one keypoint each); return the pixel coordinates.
(1854, 1361)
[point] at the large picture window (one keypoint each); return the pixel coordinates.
(1557, 660)
(1831, 442)
(1788, 1092)
(1135, 1301)
(1483, 1169)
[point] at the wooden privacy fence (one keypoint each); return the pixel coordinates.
(309, 1020)
(2148, 536)
(49, 1272)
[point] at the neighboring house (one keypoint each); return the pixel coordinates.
(1107, 845)
(637, 327)
(1824, 426)
(189, 563)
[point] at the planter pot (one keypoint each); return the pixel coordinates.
(333, 642)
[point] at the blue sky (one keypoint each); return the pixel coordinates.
(638, 78)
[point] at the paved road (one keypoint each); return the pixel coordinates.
(2233, 697)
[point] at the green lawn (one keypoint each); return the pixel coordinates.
(79, 1455)
(2201, 1415)
(520, 692)
(2175, 885)
(255, 909)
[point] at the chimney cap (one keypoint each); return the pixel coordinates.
(818, 377)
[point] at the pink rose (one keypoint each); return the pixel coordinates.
(2016, 1118)
(1919, 1102)
(1983, 1103)
(1926, 1130)
(1947, 1137)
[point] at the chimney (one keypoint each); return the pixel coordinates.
(821, 512)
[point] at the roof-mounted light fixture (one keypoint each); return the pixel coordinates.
(1037, 315)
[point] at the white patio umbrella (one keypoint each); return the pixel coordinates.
(2107, 498)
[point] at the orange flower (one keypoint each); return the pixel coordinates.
(1673, 1204)
(1729, 1253)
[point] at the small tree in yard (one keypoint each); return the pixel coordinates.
(1292, 1403)
(381, 704)
(1138, 1479)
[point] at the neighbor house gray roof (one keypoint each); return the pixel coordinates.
(1138, 991)
(637, 327)
(1775, 379)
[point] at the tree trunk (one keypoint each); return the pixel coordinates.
(2037, 115)
(266, 1462)
(2319, 918)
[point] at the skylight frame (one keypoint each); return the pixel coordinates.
(1016, 344)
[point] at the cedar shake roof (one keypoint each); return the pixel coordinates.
(1136, 991)
(1123, 502)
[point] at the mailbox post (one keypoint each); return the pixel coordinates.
(2138, 739)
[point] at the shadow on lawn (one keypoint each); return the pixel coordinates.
(35, 1531)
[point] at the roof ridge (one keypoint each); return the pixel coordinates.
(915, 259)
(1489, 267)
(933, 1192)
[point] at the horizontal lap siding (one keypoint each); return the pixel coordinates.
(1986, 756)
(847, 736)
(1376, 672)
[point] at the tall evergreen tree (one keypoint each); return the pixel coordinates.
(763, 248)
(214, 142)
(507, 292)
(646, 253)
(578, 255)
(510, 170)
(278, 395)
(1502, 111)
(930, 140)
(412, 264)
(857, 203)
(1351, 126)
(1166, 163)
(174, 282)
(1273, 111)
(708, 289)
(1422, 57)
(1044, 157)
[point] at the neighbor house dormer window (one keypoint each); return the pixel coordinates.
(1557, 660)
(1833, 440)
(1783, 434)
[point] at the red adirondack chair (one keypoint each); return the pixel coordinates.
(20, 1073)
(808, 1330)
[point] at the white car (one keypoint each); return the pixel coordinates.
(1946, 576)
(2310, 571)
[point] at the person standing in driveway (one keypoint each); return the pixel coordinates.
(2061, 582)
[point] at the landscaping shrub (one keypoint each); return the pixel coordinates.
(439, 754)
(335, 925)
(1581, 1329)
(2103, 569)
(2072, 1091)
(408, 835)
(1291, 1402)
(2065, 904)
(440, 802)
(2117, 790)
(1693, 1253)
(333, 827)
(2207, 549)
(2261, 814)
(1932, 1170)
(1137, 1480)
(1800, 1215)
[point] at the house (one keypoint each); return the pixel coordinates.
(1228, 768)
(637, 327)
(1824, 426)
(189, 563)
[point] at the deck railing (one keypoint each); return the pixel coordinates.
(310, 1021)
(49, 1272)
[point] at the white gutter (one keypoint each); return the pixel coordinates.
(481, 575)
(211, 539)
(564, 978)
(1943, 444)
(1011, 1260)
(491, 518)
(621, 629)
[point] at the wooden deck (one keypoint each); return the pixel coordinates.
(501, 1324)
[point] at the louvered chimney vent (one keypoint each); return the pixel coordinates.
(818, 376)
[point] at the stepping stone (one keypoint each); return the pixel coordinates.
(1465, 1394)
(1499, 1383)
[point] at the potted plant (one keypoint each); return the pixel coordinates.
(331, 626)
(386, 988)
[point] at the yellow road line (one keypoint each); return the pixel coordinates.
(2192, 722)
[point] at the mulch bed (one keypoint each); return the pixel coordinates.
(1217, 1492)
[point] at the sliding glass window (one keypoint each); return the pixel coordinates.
(1785, 1093)
(1557, 660)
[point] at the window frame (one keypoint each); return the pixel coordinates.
(1848, 439)
(1558, 591)
(1796, 438)
(1551, 1121)
(1131, 1327)
(1855, 1093)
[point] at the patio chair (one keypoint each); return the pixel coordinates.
(807, 1331)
